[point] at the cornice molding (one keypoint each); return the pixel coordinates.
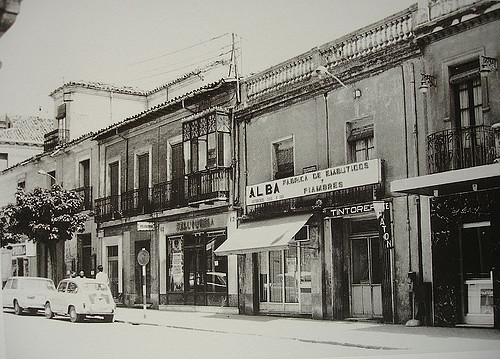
(354, 71)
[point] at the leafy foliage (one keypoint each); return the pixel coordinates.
(43, 215)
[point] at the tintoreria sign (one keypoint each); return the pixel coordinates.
(327, 180)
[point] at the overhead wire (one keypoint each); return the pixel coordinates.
(177, 51)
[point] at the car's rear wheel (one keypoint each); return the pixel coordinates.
(17, 308)
(73, 316)
(48, 311)
(108, 318)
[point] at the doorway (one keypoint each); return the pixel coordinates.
(366, 277)
(478, 249)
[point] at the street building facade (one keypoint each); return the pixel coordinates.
(459, 173)
(165, 185)
(358, 180)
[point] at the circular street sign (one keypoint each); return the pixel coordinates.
(143, 257)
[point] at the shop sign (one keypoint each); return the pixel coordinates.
(383, 211)
(19, 250)
(359, 208)
(145, 226)
(327, 180)
(197, 224)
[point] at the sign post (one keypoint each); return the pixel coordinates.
(143, 260)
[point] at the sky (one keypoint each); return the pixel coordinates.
(149, 42)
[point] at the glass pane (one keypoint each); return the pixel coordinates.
(291, 276)
(276, 276)
(263, 279)
(212, 150)
(359, 257)
(305, 264)
(187, 157)
(464, 99)
(216, 270)
(202, 153)
(194, 156)
(176, 274)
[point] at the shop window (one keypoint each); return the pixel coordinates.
(193, 265)
(285, 275)
(263, 277)
(206, 142)
(283, 163)
(276, 276)
(4, 161)
(360, 140)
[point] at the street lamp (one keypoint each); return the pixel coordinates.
(321, 72)
(42, 172)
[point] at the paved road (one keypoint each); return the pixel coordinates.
(196, 335)
(59, 338)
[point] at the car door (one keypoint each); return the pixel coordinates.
(7, 293)
(57, 300)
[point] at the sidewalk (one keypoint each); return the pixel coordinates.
(388, 338)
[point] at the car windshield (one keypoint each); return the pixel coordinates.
(39, 284)
(96, 287)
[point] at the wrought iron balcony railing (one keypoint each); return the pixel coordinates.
(85, 194)
(211, 184)
(206, 186)
(170, 194)
(460, 148)
(107, 208)
(54, 138)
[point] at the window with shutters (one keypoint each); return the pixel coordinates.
(283, 158)
(360, 140)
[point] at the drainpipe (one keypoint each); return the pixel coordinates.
(417, 173)
(327, 131)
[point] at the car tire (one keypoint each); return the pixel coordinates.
(17, 308)
(73, 316)
(108, 318)
(49, 314)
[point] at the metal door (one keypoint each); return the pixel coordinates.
(366, 277)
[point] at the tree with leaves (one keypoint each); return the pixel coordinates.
(46, 216)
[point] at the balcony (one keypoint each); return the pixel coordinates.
(460, 148)
(170, 194)
(85, 194)
(54, 138)
(201, 187)
(107, 208)
(208, 185)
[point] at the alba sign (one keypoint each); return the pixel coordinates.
(327, 180)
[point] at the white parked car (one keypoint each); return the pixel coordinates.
(79, 298)
(27, 293)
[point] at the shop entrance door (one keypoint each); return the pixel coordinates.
(366, 278)
(194, 269)
(478, 252)
(112, 255)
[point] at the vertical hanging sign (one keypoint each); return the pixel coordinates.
(383, 211)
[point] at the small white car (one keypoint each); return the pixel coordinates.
(27, 293)
(79, 298)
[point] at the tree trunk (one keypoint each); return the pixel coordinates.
(54, 263)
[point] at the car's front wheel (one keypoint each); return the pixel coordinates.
(108, 318)
(73, 316)
(49, 314)
(17, 308)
